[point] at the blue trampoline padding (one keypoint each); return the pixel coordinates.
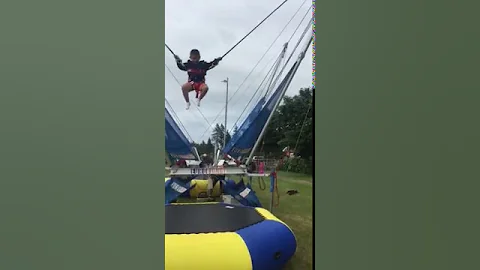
(185, 183)
(244, 194)
(175, 189)
(189, 186)
(265, 241)
(251, 198)
(229, 183)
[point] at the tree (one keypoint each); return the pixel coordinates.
(218, 135)
(209, 147)
(285, 129)
(228, 138)
(235, 130)
(298, 128)
(201, 148)
(286, 124)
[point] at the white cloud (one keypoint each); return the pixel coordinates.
(213, 27)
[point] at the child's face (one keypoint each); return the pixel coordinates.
(194, 57)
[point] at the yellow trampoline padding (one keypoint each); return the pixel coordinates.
(206, 252)
(201, 186)
(180, 203)
(269, 216)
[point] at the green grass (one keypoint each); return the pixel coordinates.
(295, 210)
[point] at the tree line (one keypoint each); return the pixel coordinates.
(215, 141)
(291, 126)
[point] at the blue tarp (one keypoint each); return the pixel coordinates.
(176, 144)
(187, 183)
(244, 194)
(175, 189)
(244, 139)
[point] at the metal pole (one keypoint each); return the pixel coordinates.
(215, 160)
(274, 78)
(287, 84)
(226, 113)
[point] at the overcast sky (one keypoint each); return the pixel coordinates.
(213, 27)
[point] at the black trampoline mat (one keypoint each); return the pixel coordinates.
(208, 218)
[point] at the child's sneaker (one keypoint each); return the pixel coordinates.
(187, 106)
(198, 102)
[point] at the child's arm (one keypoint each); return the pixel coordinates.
(180, 65)
(214, 63)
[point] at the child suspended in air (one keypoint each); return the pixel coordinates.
(196, 70)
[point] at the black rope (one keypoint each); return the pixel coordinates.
(174, 114)
(251, 31)
(303, 125)
(169, 49)
(261, 72)
(261, 183)
(180, 84)
(272, 66)
(301, 36)
(273, 80)
(298, 26)
(293, 34)
(256, 91)
(259, 61)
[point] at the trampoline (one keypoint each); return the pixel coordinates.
(223, 236)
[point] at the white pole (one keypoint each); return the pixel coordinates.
(287, 84)
(226, 113)
(215, 155)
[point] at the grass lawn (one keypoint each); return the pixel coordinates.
(295, 210)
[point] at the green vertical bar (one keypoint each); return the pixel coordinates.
(81, 113)
(397, 135)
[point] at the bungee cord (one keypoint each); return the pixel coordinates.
(174, 114)
(290, 39)
(253, 69)
(169, 49)
(270, 64)
(286, 62)
(274, 79)
(261, 58)
(303, 125)
(180, 84)
(269, 81)
(251, 31)
(269, 73)
(300, 39)
(244, 37)
(298, 26)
